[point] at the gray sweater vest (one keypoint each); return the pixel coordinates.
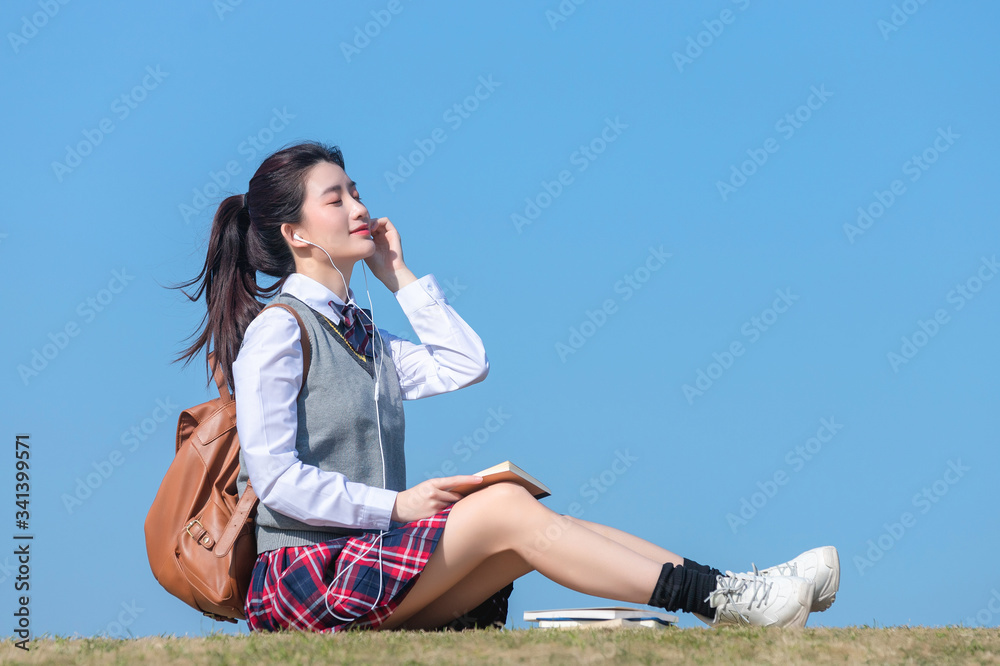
(337, 428)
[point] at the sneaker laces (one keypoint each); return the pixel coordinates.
(736, 590)
(779, 570)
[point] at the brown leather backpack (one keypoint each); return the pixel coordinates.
(199, 532)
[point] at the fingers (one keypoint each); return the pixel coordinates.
(446, 498)
(452, 481)
(440, 489)
(426, 501)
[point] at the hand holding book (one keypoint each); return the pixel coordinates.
(505, 471)
(429, 497)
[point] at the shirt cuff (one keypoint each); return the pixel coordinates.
(378, 507)
(420, 293)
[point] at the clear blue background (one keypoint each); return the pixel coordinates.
(525, 290)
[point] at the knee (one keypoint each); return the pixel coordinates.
(495, 513)
(496, 502)
(506, 493)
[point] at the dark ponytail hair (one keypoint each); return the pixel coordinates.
(245, 240)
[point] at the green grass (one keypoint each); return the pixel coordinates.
(850, 645)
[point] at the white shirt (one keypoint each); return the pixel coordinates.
(268, 374)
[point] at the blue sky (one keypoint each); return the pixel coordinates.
(749, 249)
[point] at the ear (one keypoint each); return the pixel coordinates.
(288, 231)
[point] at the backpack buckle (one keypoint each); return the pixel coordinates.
(187, 528)
(202, 537)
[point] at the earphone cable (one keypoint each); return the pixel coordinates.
(378, 421)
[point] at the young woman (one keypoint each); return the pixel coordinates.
(342, 542)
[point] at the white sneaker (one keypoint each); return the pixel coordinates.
(820, 565)
(765, 601)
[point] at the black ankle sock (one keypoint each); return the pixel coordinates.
(684, 588)
(701, 568)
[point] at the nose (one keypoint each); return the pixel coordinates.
(360, 211)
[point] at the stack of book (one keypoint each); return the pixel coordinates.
(608, 617)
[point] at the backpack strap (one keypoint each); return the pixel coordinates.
(306, 347)
(249, 499)
(220, 378)
(240, 517)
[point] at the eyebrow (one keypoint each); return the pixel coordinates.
(336, 188)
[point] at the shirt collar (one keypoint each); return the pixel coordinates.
(315, 295)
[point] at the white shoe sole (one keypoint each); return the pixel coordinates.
(806, 595)
(828, 593)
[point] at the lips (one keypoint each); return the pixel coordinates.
(362, 230)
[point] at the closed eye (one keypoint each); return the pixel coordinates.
(340, 201)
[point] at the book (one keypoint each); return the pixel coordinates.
(617, 615)
(505, 471)
(620, 623)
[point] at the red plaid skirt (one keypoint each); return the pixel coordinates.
(336, 585)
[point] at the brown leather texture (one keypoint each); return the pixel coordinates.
(199, 533)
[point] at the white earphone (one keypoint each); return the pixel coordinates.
(378, 422)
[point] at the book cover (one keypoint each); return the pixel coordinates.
(505, 471)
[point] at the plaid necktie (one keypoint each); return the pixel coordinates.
(359, 333)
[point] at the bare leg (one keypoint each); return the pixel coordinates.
(498, 570)
(505, 517)
(641, 546)
(491, 575)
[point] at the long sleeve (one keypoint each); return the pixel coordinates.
(450, 354)
(267, 375)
